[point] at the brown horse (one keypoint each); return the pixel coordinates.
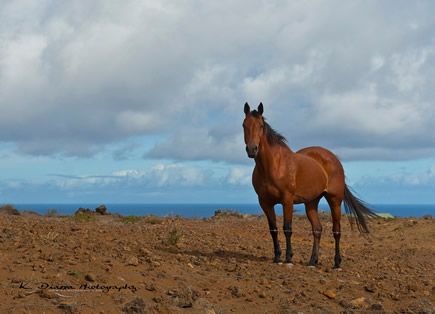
(282, 176)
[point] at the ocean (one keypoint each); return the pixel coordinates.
(207, 210)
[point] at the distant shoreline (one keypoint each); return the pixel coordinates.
(207, 210)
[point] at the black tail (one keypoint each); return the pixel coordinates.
(357, 210)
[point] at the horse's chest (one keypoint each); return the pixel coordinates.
(267, 188)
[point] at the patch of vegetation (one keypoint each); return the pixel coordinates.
(52, 212)
(9, 209)
(174, 236)
(50, 237)
(130, 219)
(83, 217)
(227, 213)
(153, 220)
(74, 273)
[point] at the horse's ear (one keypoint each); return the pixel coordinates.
(260, 108)
(247, 109)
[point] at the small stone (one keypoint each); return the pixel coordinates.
(135, 306)
(68, 307)
(235, 291)
(150, 287)
(133, 261)
(157, 299)
(358, 302)
(46, 294)
(190, 265)
(262, 295)
(145, 252)
(90, 277)
(370, 288)
(377, 307)
(102, 209)
(331, 293)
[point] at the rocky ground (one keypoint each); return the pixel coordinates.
(91, 263)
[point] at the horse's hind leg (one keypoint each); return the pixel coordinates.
(313, 217)
(335, 205)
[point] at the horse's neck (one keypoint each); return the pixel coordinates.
(268, 156)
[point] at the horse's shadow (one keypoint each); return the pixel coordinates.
(220, 254)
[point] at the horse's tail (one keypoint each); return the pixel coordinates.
(357, 210)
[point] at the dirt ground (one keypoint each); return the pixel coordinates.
(113, 264)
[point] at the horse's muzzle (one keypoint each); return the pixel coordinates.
(252, 150)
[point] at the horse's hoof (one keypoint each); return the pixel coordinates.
(338, 268)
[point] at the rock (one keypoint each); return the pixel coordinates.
(262, 295)
(47, 294)
(68, 307)
(135, 306)
(183, 296)
(358, 302)
(346, 304)
(102, 209)
(90, 277)
(157, 299)
(235, 291)
(331, 293)
(145, 252)
(133, 261)
(370, 288)
(82, 210)
(8, 210)
(376, 307)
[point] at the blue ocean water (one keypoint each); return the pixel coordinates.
(207, 210)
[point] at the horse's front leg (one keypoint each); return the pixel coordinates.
(287, 227)
(271, 219)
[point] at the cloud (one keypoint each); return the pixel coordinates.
(161, 182)
(240, 176)
(77, 77)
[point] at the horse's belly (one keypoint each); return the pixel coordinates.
(311, 182)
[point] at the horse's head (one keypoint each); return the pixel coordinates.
(253, 127)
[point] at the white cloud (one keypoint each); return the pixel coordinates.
(240, 176)
(77, 76)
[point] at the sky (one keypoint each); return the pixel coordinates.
(142, 101)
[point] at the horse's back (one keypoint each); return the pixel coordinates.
(330, 163)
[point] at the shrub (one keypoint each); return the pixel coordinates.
(9, 210)
(52, 212)
(174, 236)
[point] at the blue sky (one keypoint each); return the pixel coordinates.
(142, 101)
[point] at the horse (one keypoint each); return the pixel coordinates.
(282, 176)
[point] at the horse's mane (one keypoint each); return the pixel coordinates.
(273, 137)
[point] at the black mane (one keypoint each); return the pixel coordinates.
(273, 137)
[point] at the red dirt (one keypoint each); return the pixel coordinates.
(218, 265)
